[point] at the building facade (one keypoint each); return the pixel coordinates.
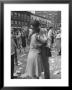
(44, 21)
(24, 18)
(20, 18)
(53, 16)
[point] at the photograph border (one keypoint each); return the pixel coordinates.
(2, 2)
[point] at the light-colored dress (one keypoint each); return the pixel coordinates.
(34, 64)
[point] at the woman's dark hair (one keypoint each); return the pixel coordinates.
(50, 27)
(36, 25)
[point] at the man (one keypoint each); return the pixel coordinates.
(58, 43)
(45, 58)
(30, 33)
(13, 47)
(23, 38)
(15, 40)
(50, 37)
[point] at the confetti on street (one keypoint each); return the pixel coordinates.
(55, 65)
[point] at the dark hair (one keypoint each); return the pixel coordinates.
(36, 25)
(50, 27)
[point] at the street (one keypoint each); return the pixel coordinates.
(54, 62)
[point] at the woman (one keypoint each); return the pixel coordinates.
(34, 64)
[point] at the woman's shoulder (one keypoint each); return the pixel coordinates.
(34, 35)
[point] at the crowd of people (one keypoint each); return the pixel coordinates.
(40, 41)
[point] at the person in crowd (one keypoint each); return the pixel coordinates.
(13, 48)
(58, 43)
(19, 40)
(15, 36)
(26, 33)
(50, 36)
(34, 66)
(30, 33)
(23, 38)
(30, 30)
(45, 50)
(15, 40)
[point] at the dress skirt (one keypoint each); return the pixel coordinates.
(34, 64)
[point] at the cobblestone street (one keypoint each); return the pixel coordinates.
(54, 61)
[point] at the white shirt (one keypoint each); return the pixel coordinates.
(50, 33)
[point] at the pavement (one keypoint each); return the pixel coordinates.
(54, 62)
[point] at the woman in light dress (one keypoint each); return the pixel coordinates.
(34, 66)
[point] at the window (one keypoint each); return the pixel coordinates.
(22, 15)
(15, 14)
(11, 13)
(15, 22)
(18, 14)
(12, 22)
(19, 22)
